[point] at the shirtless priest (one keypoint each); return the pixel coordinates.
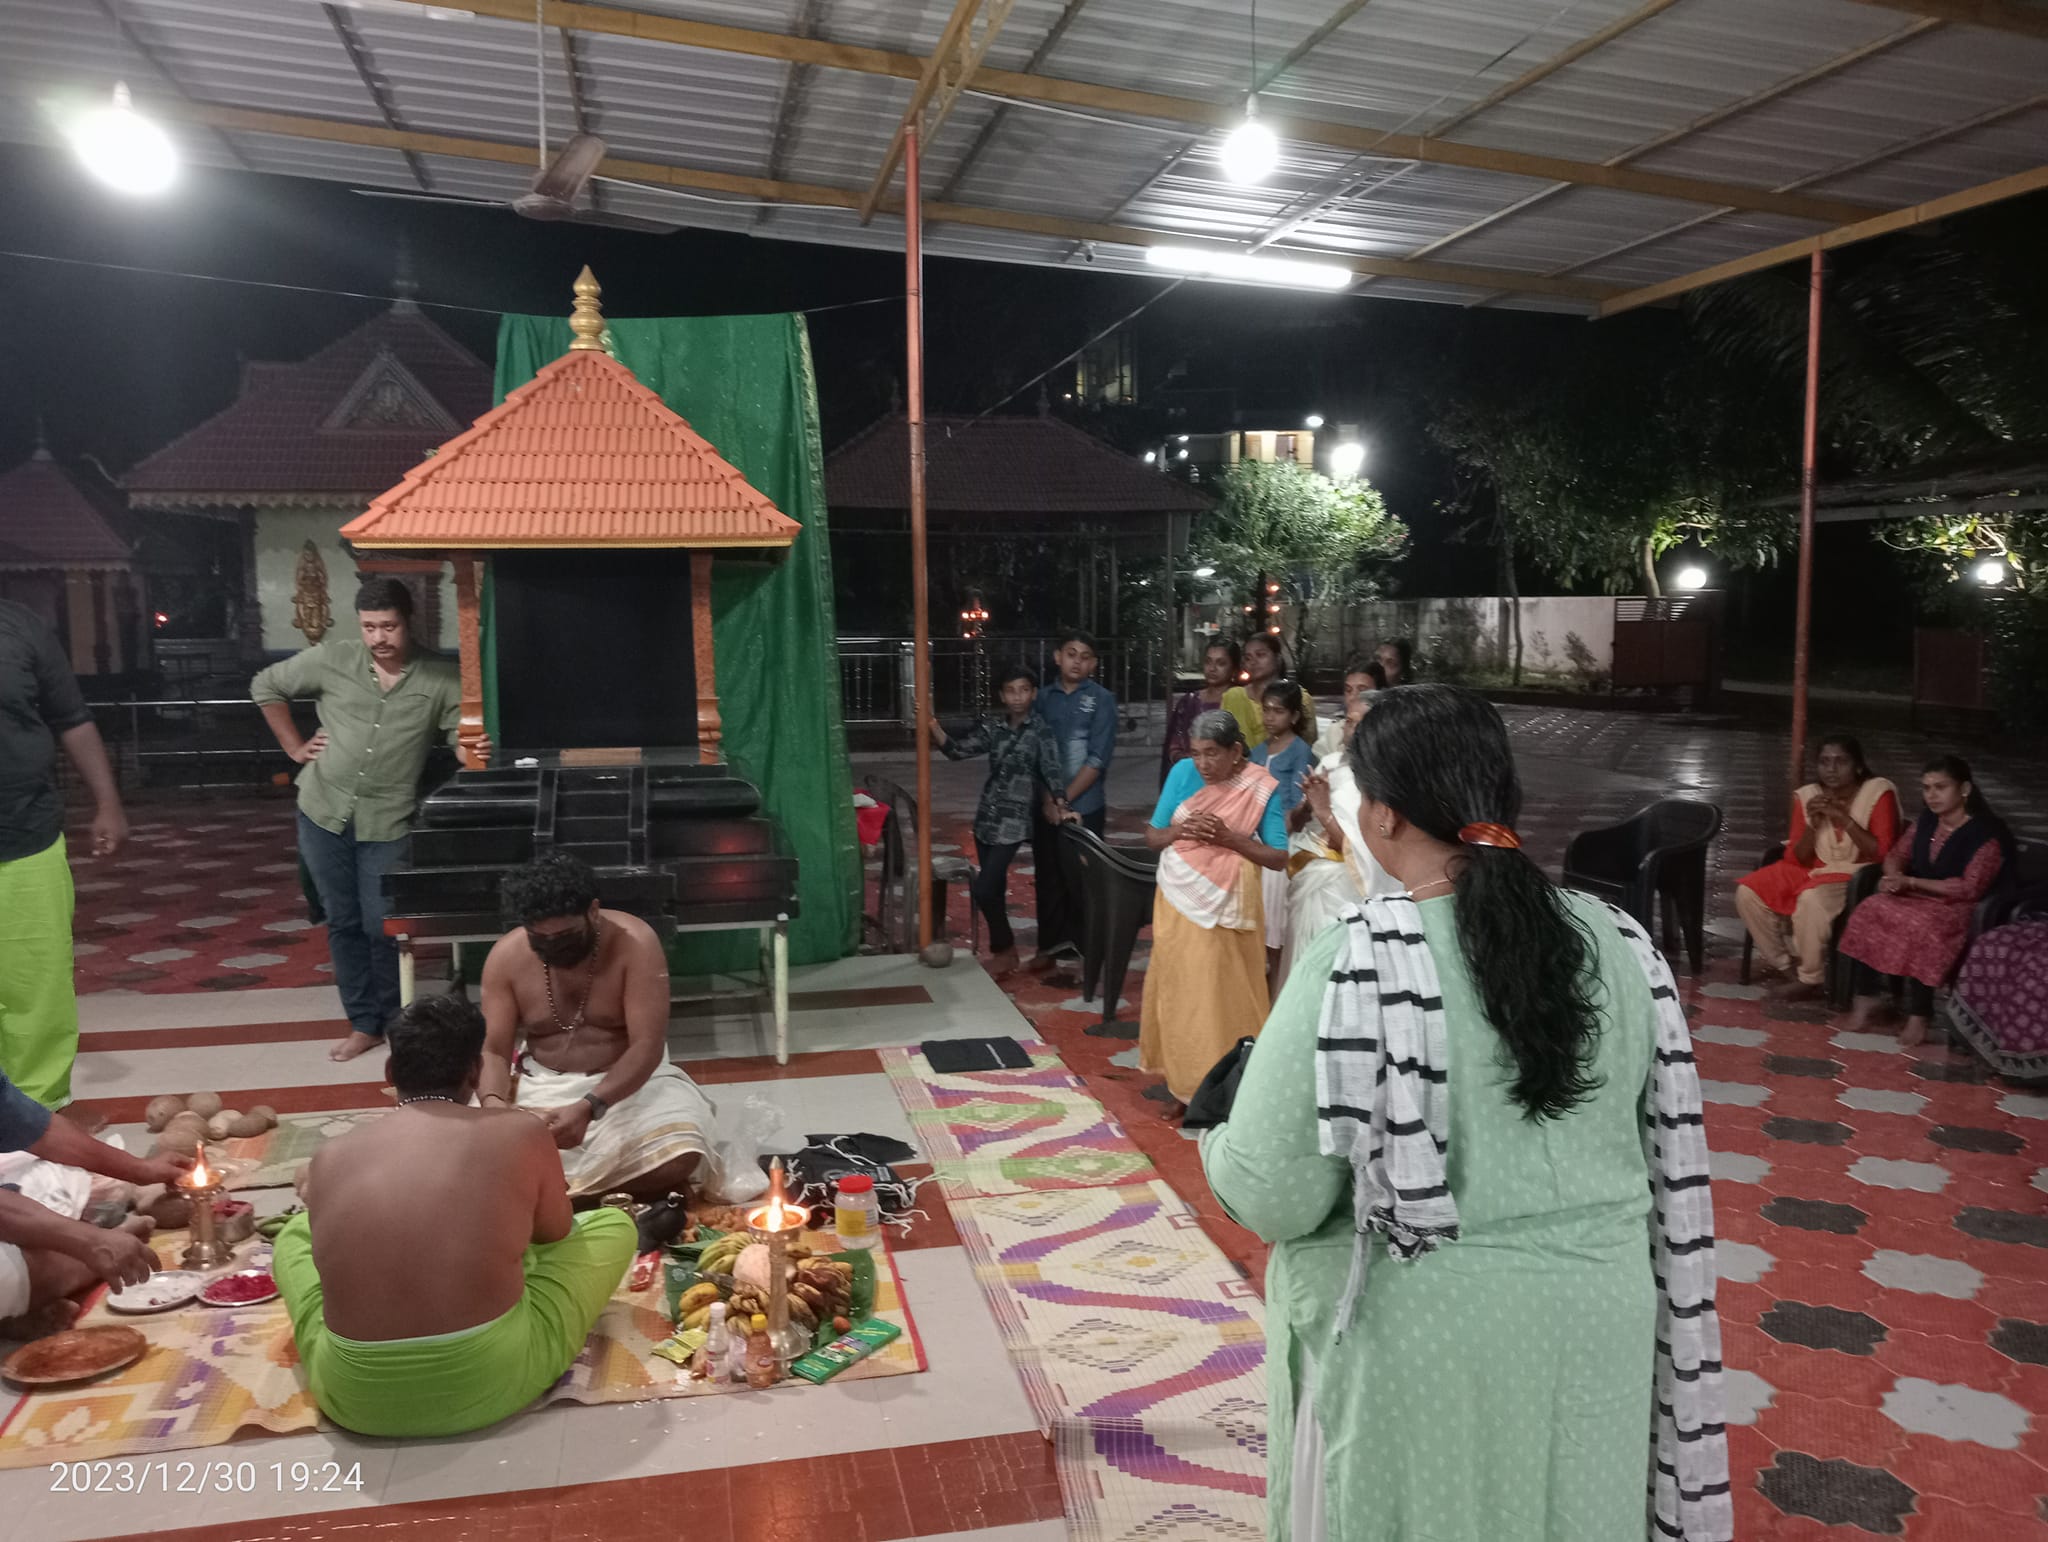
(587, 989)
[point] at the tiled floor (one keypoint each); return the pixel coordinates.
(1884, 1216)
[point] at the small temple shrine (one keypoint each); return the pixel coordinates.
(592, 513)
(598, 511)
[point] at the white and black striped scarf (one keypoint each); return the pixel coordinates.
(1383, 1104)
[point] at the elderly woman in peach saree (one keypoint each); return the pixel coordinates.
(1217, 821)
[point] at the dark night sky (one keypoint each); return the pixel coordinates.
(118, 363)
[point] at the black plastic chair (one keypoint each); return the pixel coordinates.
(1660, 852)
(1117, 884)
(898, 899)
(2021, 892)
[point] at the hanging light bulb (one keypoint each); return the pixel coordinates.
(1250, 151)
(130, 153)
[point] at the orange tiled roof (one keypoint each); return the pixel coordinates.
(582, 455)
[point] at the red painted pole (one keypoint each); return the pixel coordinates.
(1802, 625)
(920, 621)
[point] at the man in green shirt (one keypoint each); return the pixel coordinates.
(383, 703)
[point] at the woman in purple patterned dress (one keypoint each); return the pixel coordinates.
(2001, 998)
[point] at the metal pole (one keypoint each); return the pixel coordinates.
(1803, 623)
(1167, 629)
(920, 621)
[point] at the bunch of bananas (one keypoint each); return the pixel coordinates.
(721, 1255)
(693, 1310)
(824, 1288)
(819, 1289)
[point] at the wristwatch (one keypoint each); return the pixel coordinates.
(598, 1107)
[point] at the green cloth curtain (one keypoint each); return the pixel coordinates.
(745, 384)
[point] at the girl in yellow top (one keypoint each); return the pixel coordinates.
(1263, 664)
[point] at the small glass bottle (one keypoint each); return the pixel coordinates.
(763, 1368)
(855, 1212)
(717, 1343)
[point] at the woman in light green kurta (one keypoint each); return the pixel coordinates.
(1499, 1387)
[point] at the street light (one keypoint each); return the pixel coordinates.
(1347, 460)
(1205, 571)
(1315, 420)
(1151, 456)
(1991, 572)
(1690, 578)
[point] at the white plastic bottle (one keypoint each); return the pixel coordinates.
(855, 1213)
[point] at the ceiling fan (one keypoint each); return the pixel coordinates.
(563, 177)
(556, 194)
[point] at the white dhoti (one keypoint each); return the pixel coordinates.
(669, 1117)
(64, 1190)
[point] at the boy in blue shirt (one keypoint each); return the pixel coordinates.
(1082, 717)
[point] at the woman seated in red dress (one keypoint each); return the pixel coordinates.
(1842, 820)
(1918, 923)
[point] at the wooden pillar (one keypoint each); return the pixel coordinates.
(102, 625)
(469, 643)
(84, 622)
(710, 732)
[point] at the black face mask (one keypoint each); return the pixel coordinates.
(563, 950)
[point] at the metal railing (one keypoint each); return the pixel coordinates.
(875, 673)
(195, 742)
(222, 742)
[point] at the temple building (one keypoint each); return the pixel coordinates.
(300, 452)
(62, 557)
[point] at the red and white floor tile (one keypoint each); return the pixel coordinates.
(1884, 1217)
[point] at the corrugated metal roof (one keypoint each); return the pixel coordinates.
(581, 455)
(1859, 103)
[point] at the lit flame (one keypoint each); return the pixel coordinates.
(201, 1177)
(778, 1214)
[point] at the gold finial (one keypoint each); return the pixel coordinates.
(585, 319)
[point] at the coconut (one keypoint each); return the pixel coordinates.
(204, 1104)
(244, 1125)
(160, 1109)
(267, 1114)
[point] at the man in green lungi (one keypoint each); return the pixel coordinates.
(40, 708)
(438, 1280)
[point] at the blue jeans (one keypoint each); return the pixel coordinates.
(349, 875)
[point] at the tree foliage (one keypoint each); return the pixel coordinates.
(1931, 349)
(1326, 544)
(1597, 458)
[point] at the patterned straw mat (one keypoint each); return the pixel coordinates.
(272, 1160)
(214, 1372)
(1013, 1132)
(1142, 1350)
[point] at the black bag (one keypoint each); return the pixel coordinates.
(1210, 1106)
(952, 1057)
(814, 1172)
